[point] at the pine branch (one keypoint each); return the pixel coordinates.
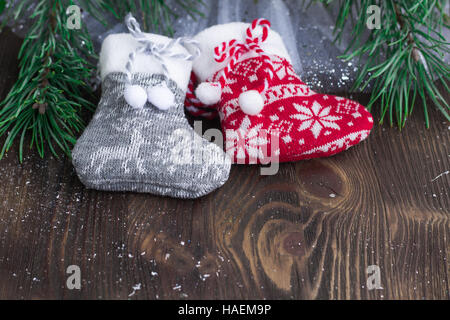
(404, 57)
(156, 15)
(46, 99)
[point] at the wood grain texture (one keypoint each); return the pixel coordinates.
(309, 232)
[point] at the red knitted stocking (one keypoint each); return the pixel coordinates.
(292, 123)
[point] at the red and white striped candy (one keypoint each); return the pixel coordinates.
(234, 49)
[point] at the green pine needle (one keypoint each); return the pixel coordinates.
(404, 57)
(155, 15)
(55, 63)
(46, 98)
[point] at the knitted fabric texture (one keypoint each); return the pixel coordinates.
(306, 124)
(295, 122)
(146, 150)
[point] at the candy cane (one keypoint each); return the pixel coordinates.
(234, 50)
(252, 101)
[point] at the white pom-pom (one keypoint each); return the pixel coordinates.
(135, 96)
(208, 93)
(251, 102)
(161, 97)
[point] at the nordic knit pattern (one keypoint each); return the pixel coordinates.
(305, 124)
(146, 150)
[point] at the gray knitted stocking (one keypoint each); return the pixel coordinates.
(139, 139)
(146, 150)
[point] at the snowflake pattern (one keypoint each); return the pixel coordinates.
(246, 140)
(283, 68)
(306, 124)
(315, 118)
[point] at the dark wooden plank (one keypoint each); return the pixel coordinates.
(277, 237)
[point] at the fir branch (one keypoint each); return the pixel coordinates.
(156, 15)
(404, 57)
(46, 99)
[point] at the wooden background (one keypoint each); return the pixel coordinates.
(274, 237)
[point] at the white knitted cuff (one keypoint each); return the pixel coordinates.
(205, 66)
(116, 49)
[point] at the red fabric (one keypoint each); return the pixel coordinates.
(304, 123)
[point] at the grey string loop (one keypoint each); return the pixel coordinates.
(157, 51)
